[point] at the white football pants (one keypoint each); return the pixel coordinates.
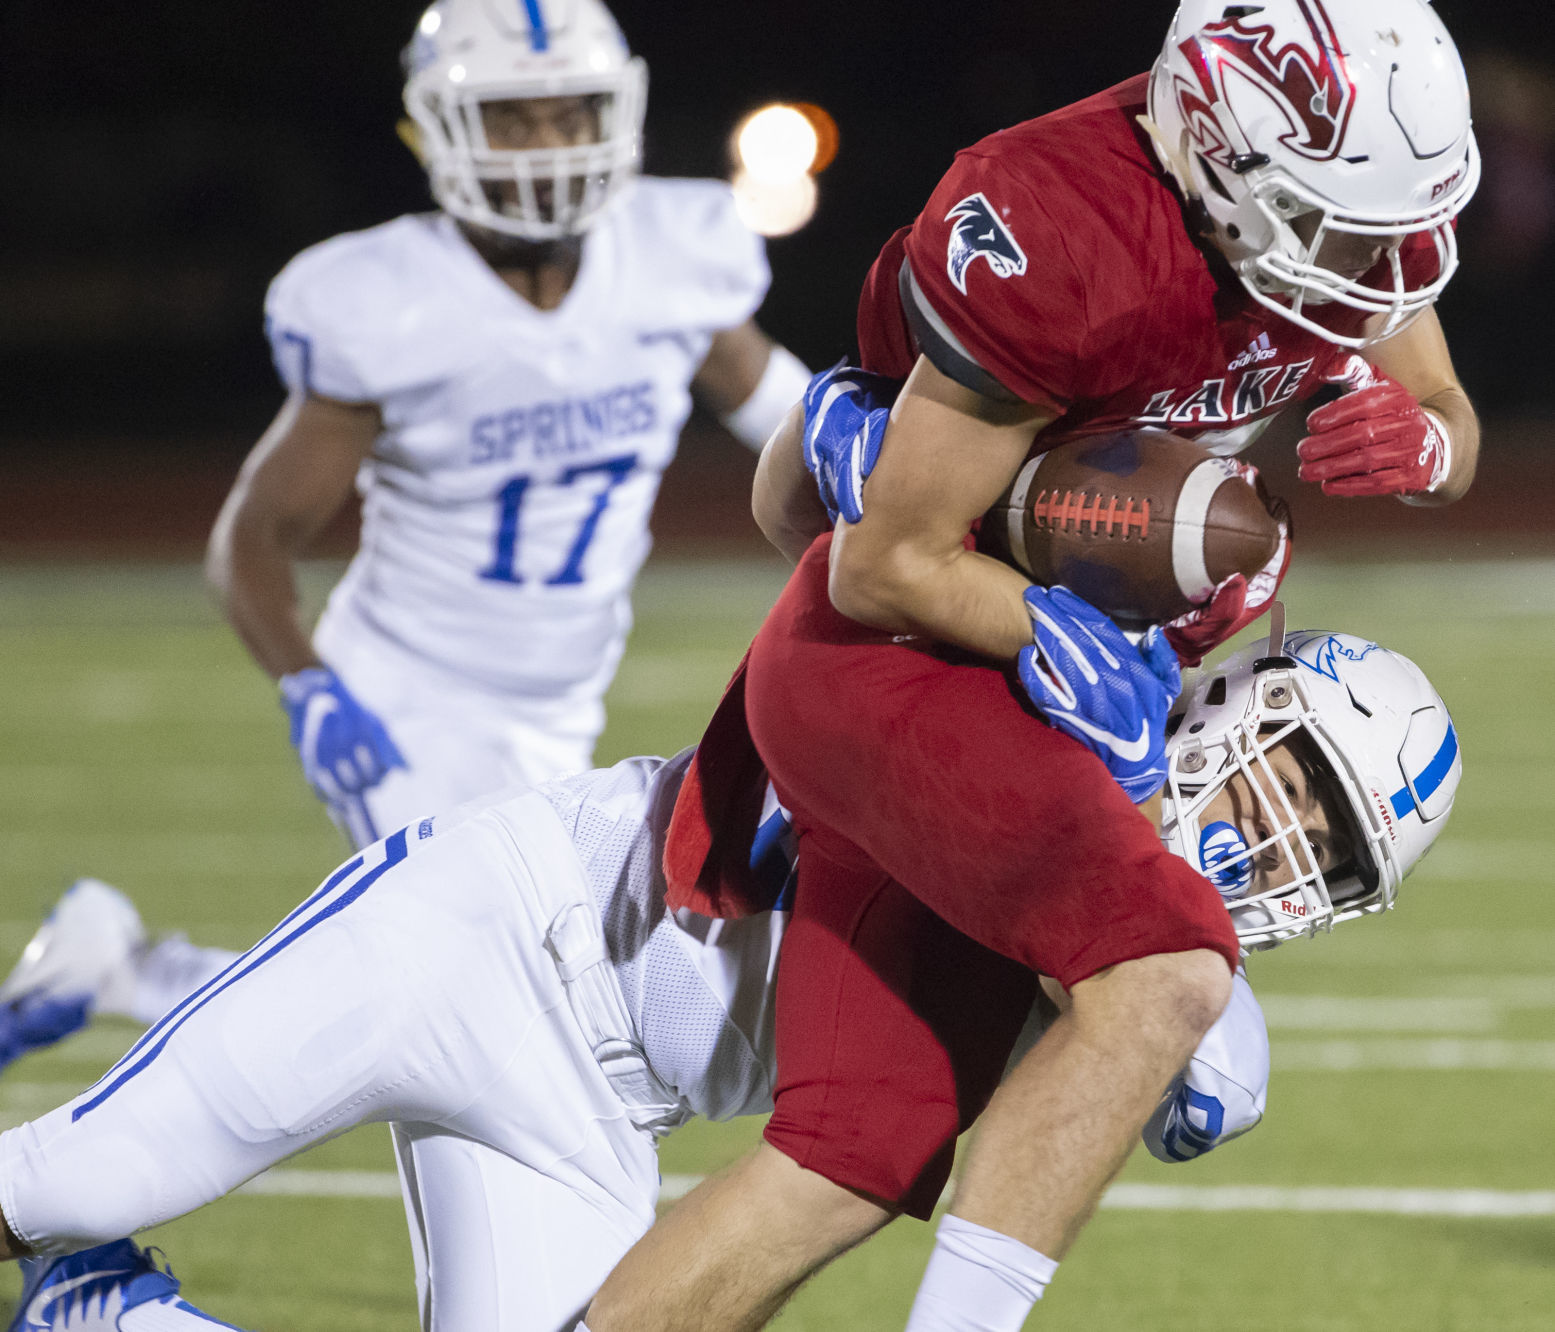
(416, 987)
(459, 741)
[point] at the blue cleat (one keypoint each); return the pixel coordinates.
(82, 955)
(116, 1287)
(30, 1024)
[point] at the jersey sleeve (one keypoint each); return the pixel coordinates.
(315, 321)
(1224, 1090)
(886, 344)
(710, 269)
(989, 290)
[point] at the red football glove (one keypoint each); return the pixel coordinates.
(1375, 440)
(1238, 601)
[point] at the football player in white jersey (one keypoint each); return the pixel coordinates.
(508, 977)
(504, 381)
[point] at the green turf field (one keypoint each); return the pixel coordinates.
(1411, 1053)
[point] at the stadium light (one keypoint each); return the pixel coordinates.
(777, 151)
(776, 143)
(774, 208)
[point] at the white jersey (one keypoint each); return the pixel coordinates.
(506, 502)
(700, 991)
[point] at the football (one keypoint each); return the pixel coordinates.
(1143, 524)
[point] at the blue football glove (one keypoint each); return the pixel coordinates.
(1093, 684)
(344, 748)
(845, 414)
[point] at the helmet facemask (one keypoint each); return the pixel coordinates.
(536, 193)
(528, 117)
(1258, 810)
(1288, 275)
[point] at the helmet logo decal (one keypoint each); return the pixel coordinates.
(980, 232)
(1323, 655)
(1223, 854)
(1306, 78)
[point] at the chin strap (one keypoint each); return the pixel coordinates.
(1276, 629)
(1176, 164)
(410, 135)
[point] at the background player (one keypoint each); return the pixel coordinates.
(511, 972)
(1201, 268)
(505, 381)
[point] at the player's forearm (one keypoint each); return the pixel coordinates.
(1456, 412)
(250, 570)
(784, 499)
(958, 597)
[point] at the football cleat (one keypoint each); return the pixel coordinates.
(82, 954)
(116, 1287)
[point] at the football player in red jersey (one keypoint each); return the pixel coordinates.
(1269, 211)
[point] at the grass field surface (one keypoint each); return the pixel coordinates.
(1403, 1179)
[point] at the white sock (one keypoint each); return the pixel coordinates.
(978, 1281)
(164, 973)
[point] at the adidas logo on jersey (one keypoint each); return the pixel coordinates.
(1257, 350)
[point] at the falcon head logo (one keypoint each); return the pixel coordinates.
(1327, 655)
(978, 232)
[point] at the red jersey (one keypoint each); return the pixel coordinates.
(1053, 265)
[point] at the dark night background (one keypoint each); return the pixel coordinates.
(163, 161)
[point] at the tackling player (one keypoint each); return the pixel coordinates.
(1197, 249)
(511, 975)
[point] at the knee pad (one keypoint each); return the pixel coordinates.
(64, 1191)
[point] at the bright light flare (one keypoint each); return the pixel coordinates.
(774, 207)
(777, 144)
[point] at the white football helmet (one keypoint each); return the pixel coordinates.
(469, 52)
(1380, 743)
(1350, 114)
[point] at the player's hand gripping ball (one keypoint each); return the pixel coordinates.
(1142, 524)
(1089, 681)
(344, 748)
(1238, 601)
(1374, 440)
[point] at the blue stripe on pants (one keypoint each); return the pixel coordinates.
(146, 1050)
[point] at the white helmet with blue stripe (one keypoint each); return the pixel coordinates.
(470, 54)
(1382, 752)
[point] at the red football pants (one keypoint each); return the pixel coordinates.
(952, 845)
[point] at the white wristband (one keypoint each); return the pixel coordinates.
(781, 385)
(1443, 467)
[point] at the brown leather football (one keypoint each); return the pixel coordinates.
(1143, 524)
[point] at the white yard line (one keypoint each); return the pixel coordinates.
(1335, 1014)
(1417, 1055)
(325, 1184)
(1490, 1203)
(1385, 1202)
